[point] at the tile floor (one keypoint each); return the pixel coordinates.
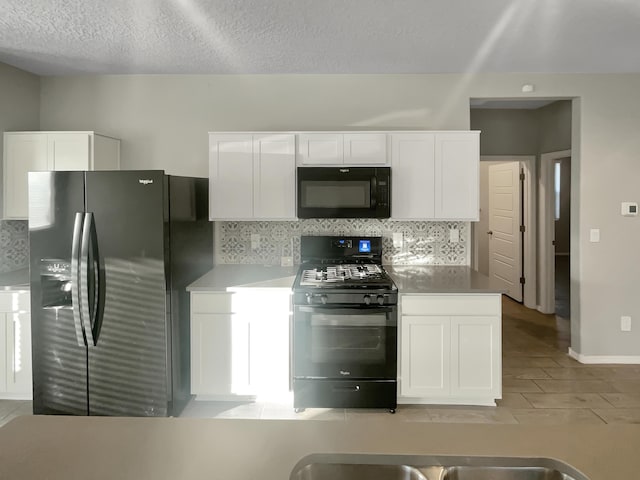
(541, 384)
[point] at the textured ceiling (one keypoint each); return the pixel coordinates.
(65, 37)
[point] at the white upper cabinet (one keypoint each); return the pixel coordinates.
(457, 158)
(275, 176)
(335, 148)
(365, 148)
(40, 151)
(22, 154)
(320, 148)
(231, 176)
(252, 176)
(435, 175)
(412, 176)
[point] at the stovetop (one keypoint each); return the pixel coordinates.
(347, 274)
(343, 270)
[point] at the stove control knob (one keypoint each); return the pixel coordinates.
(367, 299)
(309, 298)
(380, 300)
(323, 299)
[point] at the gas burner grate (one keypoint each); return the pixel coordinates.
(342, 273)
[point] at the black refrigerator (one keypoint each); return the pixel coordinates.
(111, 253)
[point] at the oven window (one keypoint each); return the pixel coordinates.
(336, 194)
(346, 339)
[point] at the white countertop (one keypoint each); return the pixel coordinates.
(420, 279)
(410, 279)
(224, 278)
(16, 280)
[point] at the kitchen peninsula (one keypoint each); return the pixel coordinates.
(188, 449)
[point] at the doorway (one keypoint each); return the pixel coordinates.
(513, 129)
(504, 243)
(555, 227)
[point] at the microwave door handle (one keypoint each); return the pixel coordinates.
(374, 192)
(75, 278)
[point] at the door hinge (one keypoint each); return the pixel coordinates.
(521, 176)
(522, 280)
(522, 228)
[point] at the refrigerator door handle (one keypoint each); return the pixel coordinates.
(75, 278)
(87, 282)
(98, 286)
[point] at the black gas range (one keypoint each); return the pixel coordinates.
(344, 325)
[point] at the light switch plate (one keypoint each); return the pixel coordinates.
(594, 235)
(286, 261)
(454, 235)
(397, 240)
(625, 323)
(255, 241)
(629, 209)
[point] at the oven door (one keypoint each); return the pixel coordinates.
(345, 342)
(343, 192)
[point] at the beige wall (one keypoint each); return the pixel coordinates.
(19, 103)
(506, 131)
(554, 127)
(163, 121)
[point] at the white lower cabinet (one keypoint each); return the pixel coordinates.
(450, 349)
(240, 343)
(15, 340)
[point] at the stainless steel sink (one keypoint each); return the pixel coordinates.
(417, 467)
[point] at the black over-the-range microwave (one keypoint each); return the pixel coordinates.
(344, 192)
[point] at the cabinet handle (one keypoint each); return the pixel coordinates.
(13, 357)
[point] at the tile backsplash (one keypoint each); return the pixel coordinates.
(14, 245)
(425, 243)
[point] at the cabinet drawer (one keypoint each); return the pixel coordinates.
(15, 302)
(211, 302)
(450, 304)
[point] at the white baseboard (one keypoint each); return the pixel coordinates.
(604, 359)
(541, 310)
(472, 401)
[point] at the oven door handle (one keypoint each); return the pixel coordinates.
(355, 310)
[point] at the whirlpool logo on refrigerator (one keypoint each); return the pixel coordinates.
(145, 181)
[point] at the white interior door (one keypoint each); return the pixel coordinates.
(505, 241)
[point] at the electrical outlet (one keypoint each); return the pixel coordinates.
(286, 261)
(397, 240)
(625, 323)
(255, 241)
(454, 235)
(594, 235)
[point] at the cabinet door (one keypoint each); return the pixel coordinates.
(19, 354)
(457, 158)
(425, 351)
(275, 176)
(365, 148)
(412, 178)
(219, 355)
(320, 149)
(69, 151)
(3, 358)
(268, 318)
(22, 153)
(476, 366)
(231, 176)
